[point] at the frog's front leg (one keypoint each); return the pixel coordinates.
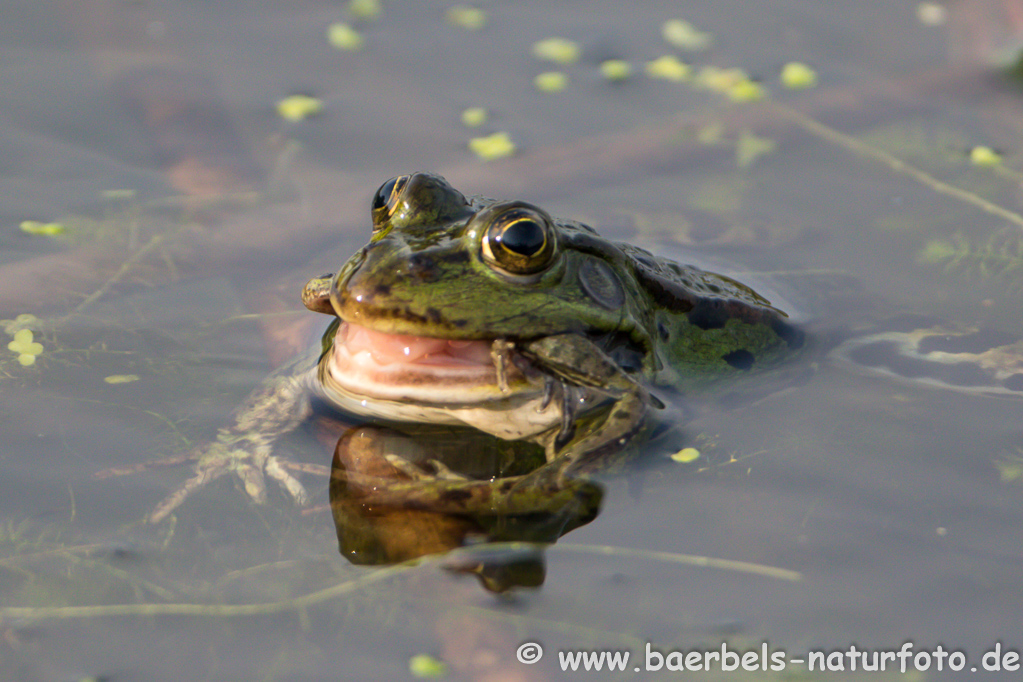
(576, 361)
(246, 446)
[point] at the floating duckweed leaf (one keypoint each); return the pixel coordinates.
(344, 37)
(121, 378)
(931, 13)
(25, 347)
(720, 80)
(424, 665)
(686, 455)
(710, 134)
(467, 17)
(936, 251)
(984, 156)
(364, 9)
(685, 36)
(36, 227)
(746, 91)
(557, 50)
(798, 76)
(669, 68)
(491, 147)
(23, 321)
(118, 194)
(551, 81)
(749, 147)
(299, 107)
(720, 195)
(1010, 469)
(615, 69)
(474, 117)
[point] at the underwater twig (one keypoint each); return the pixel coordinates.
(205, 610)
(688, 559)
(125, 268)
(850, 143)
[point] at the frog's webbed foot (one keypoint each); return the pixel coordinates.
(248, 457)
(575, 367)
(245, 448)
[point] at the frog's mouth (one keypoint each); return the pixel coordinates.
(422, 379)
(415, 368)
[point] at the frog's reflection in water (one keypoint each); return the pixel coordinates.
(398, 495)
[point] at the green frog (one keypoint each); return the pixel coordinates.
(496, 316)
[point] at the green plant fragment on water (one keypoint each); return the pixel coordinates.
(474, 117)
(343, 37)
(25, 347)
(467, 17)
(428, 667)
(710, 134)
(668, 67)
(46, 229)
(1010, 468)
(557, 50)
(117, 194)
(615, 69)
(364, 9)
(746, 91)
(984, 156)
(998, 256)
(686, 455)
(491, 147)
(685, 36)
(23, 321)
(299, 107)
(551, 81)
(798, 76)
(749, 148)
(121, 378)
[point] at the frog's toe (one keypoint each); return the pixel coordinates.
(176, 498)
(275, 469)
(446, 474)
(252, 479)
(408, 468)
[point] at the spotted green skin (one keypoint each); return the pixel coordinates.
(423, 273)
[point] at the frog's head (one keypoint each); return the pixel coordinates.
(442, 278)
(439, 266)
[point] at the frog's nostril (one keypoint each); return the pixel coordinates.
(423, 269)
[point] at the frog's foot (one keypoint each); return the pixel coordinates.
(247, 457)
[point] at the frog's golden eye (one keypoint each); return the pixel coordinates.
(386, 199)
(520, 241)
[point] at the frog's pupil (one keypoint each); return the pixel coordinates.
(384, 194)
(524, 237)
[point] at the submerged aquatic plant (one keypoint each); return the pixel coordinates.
(998, 256)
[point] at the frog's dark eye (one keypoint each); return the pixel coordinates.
(520, 241)
(386, 199)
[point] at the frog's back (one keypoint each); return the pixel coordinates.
(710, 326)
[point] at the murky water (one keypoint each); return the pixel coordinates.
(892, 511)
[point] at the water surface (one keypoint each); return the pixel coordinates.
(893, 502)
